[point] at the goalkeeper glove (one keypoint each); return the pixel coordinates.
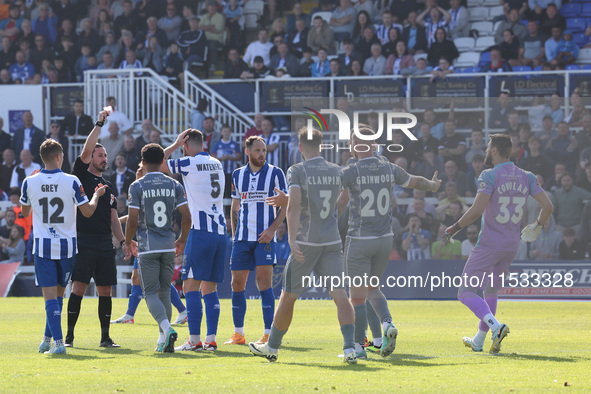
(452, 230)
(531, 231)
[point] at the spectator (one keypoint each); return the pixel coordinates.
(40, 52)
(122, 177)
(584, 135)
(235, 66)
(277, 40)
(213, 23)
(342, 20)
(346, 58)
(278, 30)
(514, 25)
(26, 33)
(261, 48)
(567, 51)
(322, 67)
(545, 247)
(446, 248)
(510, 48)
(46, 24)
(321, 36)
(28, 137)
(553, 183)
(469, 243)
(552, 43)
(155, 137)
(198, 114)
(548, 131)
(375, 64)
(383, 30)
(7, 53)
(425, 141)
(127, 20)
(472, 178)
(399, 61)
(568, 203)
(518, 154)
(356, 69)
(88, 36)
(144, 138)
(459, 18)
(334, 69)
(365, 43)
(575, 117)
(5, 138)
(152, 30)
(77, 123)
(24, 169)
(170, 23)
(6, 168)
(9, 219)
(110, 46)
(442, 70)
(456, 209)
(389, 48)
(496, 64)
(532, 50)
(570, 248)
(284, 59)
(210, 136)
(11, 26)
(414, 35)
(452, 145)
(435, 22)
(108, 63)
(563, 147)
(22, 69)
(232, 14)
(584, 181)
(421, 68)
(5, 77)
(368, 7)
(68, 53)
(14, 246)
(500, 111)
(553, 108)
(132, 154)
(131, 62)
(535, 161)
(442, 47)
(428, 163)
(153, 56)
(173, 62)
(452, 174)
(297, 38)
(228, 152)
(272, 141)
(513, 120)
(256, 130)
(477, 146)
(125, 125)
(258, 70)
(282, 245)
(193, 42)
(112, 143)
(550, 19)
(416, 241)
(362, 21)
(56, 134)
(427, 218)
(524, 133)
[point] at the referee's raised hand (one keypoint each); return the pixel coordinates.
(103, 116)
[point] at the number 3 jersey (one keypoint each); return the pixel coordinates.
(371, 182)
(156, 196)
(54, 197)
(508, 187)
(320, 183)
(204, 181)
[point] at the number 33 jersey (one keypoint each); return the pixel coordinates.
(54, 197)
(508, 187)
(156, 196)
(204, 181)
(371, 182)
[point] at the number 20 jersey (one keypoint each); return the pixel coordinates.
(203, 177)
(54, 197)
(508, 187)
(371, 182)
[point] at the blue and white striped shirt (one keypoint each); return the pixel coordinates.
(273, 157)
(54, 197)
(204, 181)
(255, 214)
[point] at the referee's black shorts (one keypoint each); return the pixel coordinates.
(95, 259)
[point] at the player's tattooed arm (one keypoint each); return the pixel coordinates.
(421, 183)
(234, 214)
(267, 235)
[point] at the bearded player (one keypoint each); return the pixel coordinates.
(501, 196)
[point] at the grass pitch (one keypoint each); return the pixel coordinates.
(548, 348)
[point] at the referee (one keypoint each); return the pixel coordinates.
(96, 255)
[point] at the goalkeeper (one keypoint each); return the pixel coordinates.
(501, 196)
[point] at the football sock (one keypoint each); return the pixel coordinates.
(238, 310)
(54, 318)
(375, 325)
(348, 331)
(360, 323)
(73, 312)
(491, 300)
(212, 314)
(194, 315)
(105, 305)
(210, 338)
(59, 342)
(161, 337)
(379, 304)
(492, 322)
(134, 300)
(480, 337)
(268, 303)
(165, 326)
(176, 299)
(476, 304)
(275, 338)
(47, 336)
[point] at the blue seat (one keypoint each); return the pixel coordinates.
(576, 25)
(580, 39)
(586, 67)
(521, 68)
(572, 67)
(579, 1)
(571, 10)
(538, 68)
(469, 70)
(586, 9)
(484, 58)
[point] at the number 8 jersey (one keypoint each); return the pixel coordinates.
(371, 182)
(54, 197)
(508, 187)
(204, 181)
